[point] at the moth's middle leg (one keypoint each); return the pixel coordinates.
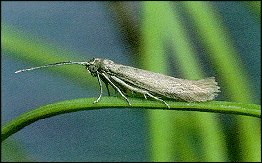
(113, 85)
(144, 92)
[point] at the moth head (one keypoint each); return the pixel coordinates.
(93, 66)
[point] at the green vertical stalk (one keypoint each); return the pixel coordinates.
(208, 127)
(170, 141)
(235, 80)
(153, 52)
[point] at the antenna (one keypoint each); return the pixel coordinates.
(53, 64)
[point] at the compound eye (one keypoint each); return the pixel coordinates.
(92, 68)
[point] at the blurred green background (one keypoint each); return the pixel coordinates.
(191, 40)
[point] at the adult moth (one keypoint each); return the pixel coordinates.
(148, 83)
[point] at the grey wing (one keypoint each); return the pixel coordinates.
(195, 90)
(187, 90)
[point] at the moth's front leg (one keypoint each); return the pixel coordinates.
(106, 84)
(101, 89)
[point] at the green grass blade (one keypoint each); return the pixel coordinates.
(208, 125)
(24, 47)
(162, 25)
(115, 102)
(235, 79)
(160, 149)
(221, 50)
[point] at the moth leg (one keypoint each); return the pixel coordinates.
(113, 85)
(144, 92)
(106, 83)
(107, 89)
(101, 90)
(158, 99)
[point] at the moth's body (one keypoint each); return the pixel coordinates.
(156, 83)
(145, 82)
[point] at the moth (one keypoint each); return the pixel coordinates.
(149, 84)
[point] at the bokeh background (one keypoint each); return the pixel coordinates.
(189, 40)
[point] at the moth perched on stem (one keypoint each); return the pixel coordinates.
(145, 82)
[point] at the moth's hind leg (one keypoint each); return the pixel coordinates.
(144, 92)
(156, 98)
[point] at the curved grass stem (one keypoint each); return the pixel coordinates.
(114, 102)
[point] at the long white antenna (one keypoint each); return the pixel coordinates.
(54, 64)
